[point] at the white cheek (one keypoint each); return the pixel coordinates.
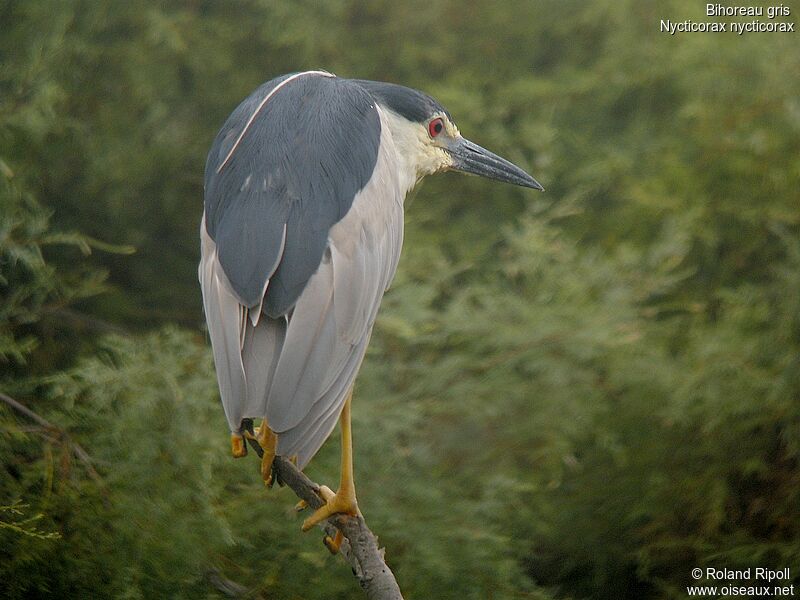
(436, 159)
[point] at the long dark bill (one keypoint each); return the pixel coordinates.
(468, 157)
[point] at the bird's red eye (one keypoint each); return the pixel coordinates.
(435, 127)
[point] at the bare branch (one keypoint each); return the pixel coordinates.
(19, 407)
(77, 449)
(228, 587)
(80, 319)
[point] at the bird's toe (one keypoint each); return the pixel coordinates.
(342, 502)
(268, 440)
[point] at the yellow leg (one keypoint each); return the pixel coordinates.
(268, 442)
(344, 500)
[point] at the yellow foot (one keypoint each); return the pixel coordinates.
(238, 447)
(333, 543)
(342, 502)
(268, 442)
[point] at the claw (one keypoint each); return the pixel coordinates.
(238, 447)
(333, 543)
(268, 442)
(325, 493)
(342, 502)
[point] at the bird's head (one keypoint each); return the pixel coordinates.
(430, 141)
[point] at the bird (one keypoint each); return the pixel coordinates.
(301, 235)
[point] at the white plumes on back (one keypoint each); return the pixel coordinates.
(261, 105)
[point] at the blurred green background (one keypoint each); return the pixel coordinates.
(578, 394)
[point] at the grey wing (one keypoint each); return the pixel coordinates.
(329, 330)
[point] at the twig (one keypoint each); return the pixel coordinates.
(84, 320)
(360, 547)
(77, 449)
(228, 587)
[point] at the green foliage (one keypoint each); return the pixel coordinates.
(35, 295)
(23, 526)
(584, 394)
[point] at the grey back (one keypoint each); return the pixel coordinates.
(273, 193)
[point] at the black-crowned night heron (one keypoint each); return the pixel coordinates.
(302, 230)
